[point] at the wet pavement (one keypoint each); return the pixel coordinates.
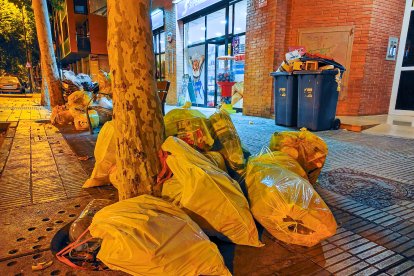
(367, 181)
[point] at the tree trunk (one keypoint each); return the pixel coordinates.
(44, 94)
(139, 126)
(47, 54)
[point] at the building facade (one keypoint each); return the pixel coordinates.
(80, 36)
(371, 38)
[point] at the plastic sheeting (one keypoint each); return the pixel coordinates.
(226, 134)
(85, 218)
(190, 126)
(149, 236)
(286, 204)
(210, 197)
(307, 148)
(105, 151)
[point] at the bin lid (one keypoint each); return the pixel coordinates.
(275, 74)
(317, 72)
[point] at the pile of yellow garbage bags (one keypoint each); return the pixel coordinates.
(169, 235)
(146, 235)
(75, 112)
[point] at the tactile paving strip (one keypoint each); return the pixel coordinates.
(41, 167)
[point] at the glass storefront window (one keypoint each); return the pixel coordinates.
(156, 44)
(216, 24)
(231, 19)
(162, 42)
(240, 14)
(194, 31)
(159, 51)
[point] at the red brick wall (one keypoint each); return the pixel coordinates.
(275, 27)
(260, 58)
(386, 21)
(170, 55)
(328, 13)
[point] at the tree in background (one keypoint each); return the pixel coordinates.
(50, 72)
(12, 40)
(139, 127)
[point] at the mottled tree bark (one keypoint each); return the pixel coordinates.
(44, 94)
(47, 54)
(139, 127)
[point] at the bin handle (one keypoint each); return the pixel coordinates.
(338, 79)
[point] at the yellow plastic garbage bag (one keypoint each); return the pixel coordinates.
(105, 151)
(81, 122)
(307, 148)
(146, 235)
(286, 204)
(60, 115)
(190, 126)
(283, 160)
(78, 98)
(230, 144)
(217, 159)
(209, 196)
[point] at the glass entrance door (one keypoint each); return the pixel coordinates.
(402, 97)
(213, 91)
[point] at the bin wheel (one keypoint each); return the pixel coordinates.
(336, 124)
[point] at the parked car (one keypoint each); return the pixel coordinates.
(10, 84)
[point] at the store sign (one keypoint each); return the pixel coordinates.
(188, 7)
(157, 19)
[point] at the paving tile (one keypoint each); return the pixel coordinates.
(343, 264)
(396, 210)
(401, 268)
(340, 236)
(333, 260)
(379, 257)
(398, 242)
(320, 258)
(320, 250)
(359, 230)
(364, 211)
(352, 269)
(409, 253)
(377, 216)
(389, 261)
(390, 237)
(392, 207)
(401, 226)
(372, 231)
(371, 213)
(363, 247)
(408, 273)
(366, 272)
(353, 244)
(346, 240)
(371, 252)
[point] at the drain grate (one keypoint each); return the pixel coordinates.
(36, 226)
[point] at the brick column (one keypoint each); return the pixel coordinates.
(171, 54)
(260, 58)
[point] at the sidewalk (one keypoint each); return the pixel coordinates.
(367, 182)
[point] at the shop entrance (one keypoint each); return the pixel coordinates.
(402, 97)
(214, 50)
